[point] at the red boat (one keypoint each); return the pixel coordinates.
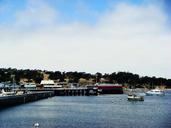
(110, 88)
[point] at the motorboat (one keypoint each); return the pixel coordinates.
(134, 97)
(4, 93)
(20, 92)
(156, 91)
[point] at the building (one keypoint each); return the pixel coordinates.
(49, 84)
(30, 86)
(110, 88)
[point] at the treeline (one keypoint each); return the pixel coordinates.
(125, 78)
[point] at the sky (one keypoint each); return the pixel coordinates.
(87, 35)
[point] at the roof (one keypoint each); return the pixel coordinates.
(31, 85)
(45, 82)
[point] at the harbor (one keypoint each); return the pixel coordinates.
(72, 104)
(103, 111)
(48, 88)
(19, 94)
(33, 95)
(85, 64)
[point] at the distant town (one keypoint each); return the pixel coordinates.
(79, 79)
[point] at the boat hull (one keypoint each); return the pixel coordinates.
(135, 98)
(155, 94)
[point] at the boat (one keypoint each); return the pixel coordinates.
(20, 92)
(156, 92)
(4, 93)
(134, 97)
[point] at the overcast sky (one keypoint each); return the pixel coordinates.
(87, 35)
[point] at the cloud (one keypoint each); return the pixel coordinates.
(36, 13)
(127, 38)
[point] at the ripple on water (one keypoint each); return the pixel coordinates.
(105, 111)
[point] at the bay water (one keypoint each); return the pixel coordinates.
(103, 111)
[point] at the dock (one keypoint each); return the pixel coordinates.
(72, 91)
(75, 92)
(6, 101)
(35, 95)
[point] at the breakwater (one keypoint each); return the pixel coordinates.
(6, 101)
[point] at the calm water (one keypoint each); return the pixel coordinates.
(107, 111)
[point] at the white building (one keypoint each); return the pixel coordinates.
(30, 86)
(49, 84)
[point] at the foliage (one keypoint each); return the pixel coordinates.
(125, 78)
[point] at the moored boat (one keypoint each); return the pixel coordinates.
(156, 92)
(4, 93)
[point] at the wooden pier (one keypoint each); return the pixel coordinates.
(71, 91)
(75, 92)
(34, 95)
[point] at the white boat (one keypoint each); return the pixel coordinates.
(19, 92)
(133, 97)
(156, 91)
(4, 93)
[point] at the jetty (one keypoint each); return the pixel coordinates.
(7, 101)
(75, 92)
(35, 95)
(71, 91)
